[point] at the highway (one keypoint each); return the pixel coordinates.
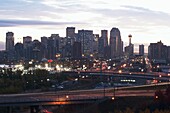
(68, 97)
(141, 75)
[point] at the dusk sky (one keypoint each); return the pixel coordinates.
(146, 20)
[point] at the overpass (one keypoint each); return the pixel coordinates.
(68, 97)
(149, 76)
(77, 97)
(34, 100)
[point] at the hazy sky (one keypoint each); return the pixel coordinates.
(147, 20)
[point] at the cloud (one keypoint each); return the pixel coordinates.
(12, 23)
(136, 16)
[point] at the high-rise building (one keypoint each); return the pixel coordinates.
(157, 51)
(56, 39)
(86, 39)
(141, 49)
(10, 46)
(44, 41)
(103, 43)
(67, 53)
(38, 50)
(76, 50)
(9, 41)
(129, 50)
(168, 58)
(104, 36)
(3, 57)
(27, 41)
(101, 47)
(52, 46)
(19, 51)
(107, 52)
(95, 45)
(70, 32)
(116, 43)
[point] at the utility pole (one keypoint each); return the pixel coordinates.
(101, 79)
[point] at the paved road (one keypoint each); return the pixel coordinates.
(63, 96)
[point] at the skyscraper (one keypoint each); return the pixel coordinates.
(101, 47)
(27, 41)
(104, 36)
(116, 43)
(157, 51)
(10, 46)
(76, 50)
(70, 32)
(86, 39)
(141, 49)
(53, 46)
(95, 45)
(168, 58)
(9, 41)
(129, 50)
(103, 43)
(44, 41)
(19, 51)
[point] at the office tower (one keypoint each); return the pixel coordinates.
(95, 45)
(37, 52)
(19, 51)
(115, 43)
(44, 50)
(44, 41)
(76, 50)
(141, 49)
(56, 39)
(104, 36)
(101, 47)
(62, 43)
(3, 56)
(52, 46)
(107, 52)
(68, 48)
(10, 46)
(86, 39)
(70, 32)
(27, 41)
(9, 41)
(157, 51)
(103, 43)
(168, 58)
(129, 50)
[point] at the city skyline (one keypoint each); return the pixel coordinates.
(40, 18)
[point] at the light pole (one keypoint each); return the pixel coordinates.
(104, 90)
(114, 88)
(101, 78)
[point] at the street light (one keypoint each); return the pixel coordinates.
(113, 98)
(67, 96)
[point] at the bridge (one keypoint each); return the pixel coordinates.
(34, 100)
(149, 76)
